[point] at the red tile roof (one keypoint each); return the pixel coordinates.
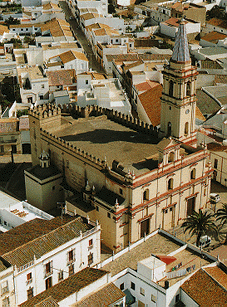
(67, 287)
(151, 103)
(102, 298)
(61, 77)
(214, 37)
(204, 290)
(218, 22)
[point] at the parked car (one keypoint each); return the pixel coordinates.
(214, 197)
(204, 241)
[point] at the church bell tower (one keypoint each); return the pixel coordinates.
(178, 101)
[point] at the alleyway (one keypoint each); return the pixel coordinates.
(93, 64)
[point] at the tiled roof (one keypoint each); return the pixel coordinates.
(218, 22)
(214, 37)
(102, 298)
(218, 275)
(67, 287)
(100, 32)
(50, 6)
(220, 79)
(57, 27)
(48, 302)
(151, 103)
(173, 21)
(206, 104)
(204, 290)
(122, 57)
(209, 64)
(61, 77)
(72, 55)
(180, 50)
(198, 114)
(3, 29)
(154, 57)
(144, 86)
(38, 237)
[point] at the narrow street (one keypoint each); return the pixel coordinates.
(79, 34)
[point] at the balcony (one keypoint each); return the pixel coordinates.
(5, 290)
(29, 281)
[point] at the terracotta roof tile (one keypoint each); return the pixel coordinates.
(210, 64)
(174, 21)
(214, 37)
(102, 298)
(220, 79)
(57, 27)
(37, 237)
(67, 287)
(61, 77)
(204, 290)
(198, 114)
(151, 103)
(218, 22)
(218, 275)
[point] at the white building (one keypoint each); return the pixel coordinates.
(38, 260)
(170, 27)
(152, 270)
(106, 93)
(33, 84)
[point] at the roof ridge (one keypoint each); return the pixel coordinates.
(42, 236)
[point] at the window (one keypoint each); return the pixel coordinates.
(146, 195)
(4, 287)
(142, 291)
(215, 163)
(188, 89)
(171, 88)
(60, 275)
(5, 302)
(29, 293)
(90, 259)
(171, 157)
(133, 286)
(71, 269)
(53, 188)
(90, 242)
(108, 214)
(177, 298)
(29, 278)
(122, 286)
(42, 85)
(71, 255)
(169, 129)
(193, 172)
(48, 268)
(41, 97)
(86, 81)
(48, 282)
(170, 184)
(153, 298)
(97, 208)
(186, 129)
(170, 108)
(121, 191)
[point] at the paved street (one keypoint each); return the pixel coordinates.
(93, 64)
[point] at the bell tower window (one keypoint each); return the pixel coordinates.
(186, 129)
(171, 88)
(169, 129)
(188, 89)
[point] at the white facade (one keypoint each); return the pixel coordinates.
(59, 259)
(171, 31)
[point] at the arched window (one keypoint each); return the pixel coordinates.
(171, 157)
(146, 195)
(169, 129)
(193, 173)
(170, 184)
(188, 89)
(171, 88)
(186, 129)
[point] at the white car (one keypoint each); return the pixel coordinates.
(214, 197)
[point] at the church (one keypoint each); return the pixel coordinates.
(131, 177)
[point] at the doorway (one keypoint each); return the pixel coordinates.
(145, 227)
(190, 206)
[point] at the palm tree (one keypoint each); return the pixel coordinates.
(198, 224)
(221, 215)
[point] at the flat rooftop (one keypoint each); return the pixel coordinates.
(104, 138)
(158, 244)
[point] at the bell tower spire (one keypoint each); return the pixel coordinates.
(178, 101)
